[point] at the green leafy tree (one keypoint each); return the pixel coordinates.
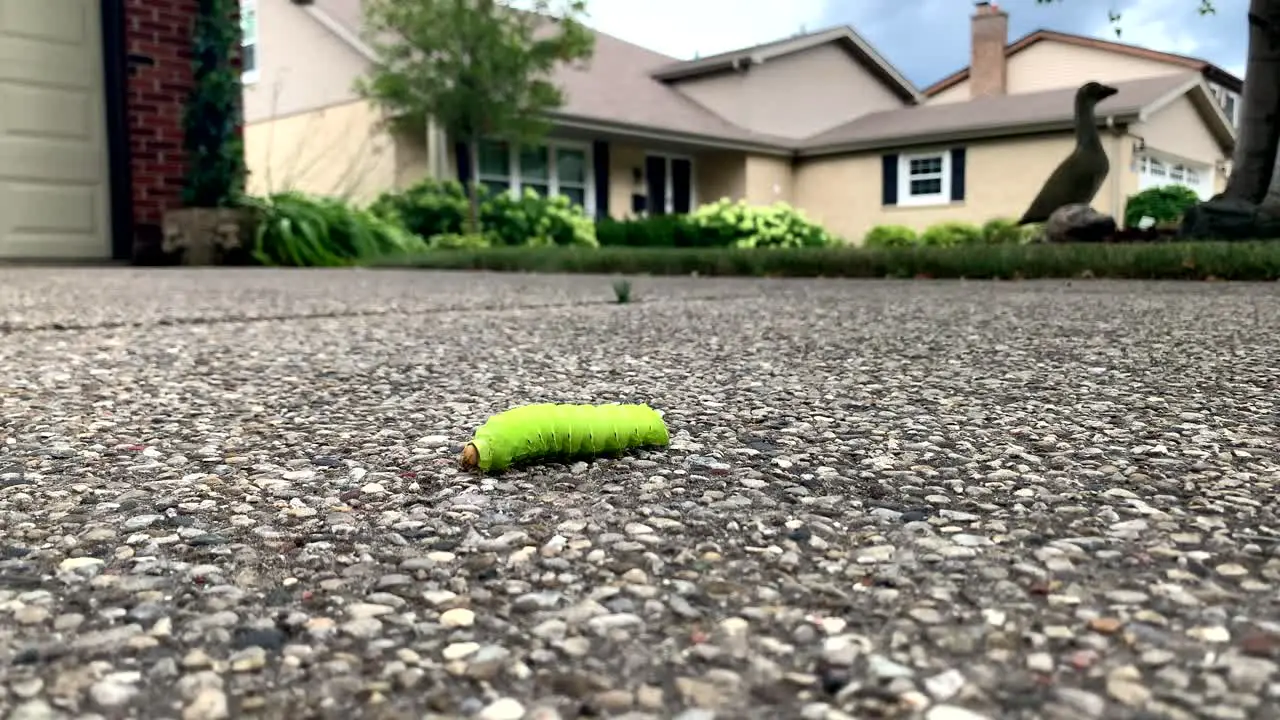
(1255, 171)
(479, 68)
(212, 119)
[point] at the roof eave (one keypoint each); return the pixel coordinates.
(636, 130)
(978, 133)
(344, 34)
(684, 72)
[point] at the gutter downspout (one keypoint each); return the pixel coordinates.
(435, 156)
(1117, 139)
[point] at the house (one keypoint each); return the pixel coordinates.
(90, 138)
(1048, 60)
(819, 120)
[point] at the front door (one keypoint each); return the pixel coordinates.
(669, 184)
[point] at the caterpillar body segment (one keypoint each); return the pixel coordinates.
(544, 431)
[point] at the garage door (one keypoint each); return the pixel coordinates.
(1155, 171)
(53, 145)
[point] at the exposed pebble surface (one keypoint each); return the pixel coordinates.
(945, 501)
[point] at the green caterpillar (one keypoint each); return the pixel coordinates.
(546, 430)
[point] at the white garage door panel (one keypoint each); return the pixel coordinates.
(47, 112)
(48, 221)
(53, 150)
(37, 207)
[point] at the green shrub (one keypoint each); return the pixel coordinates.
(299, 230)
(531, 219)
(454, 241)
(655, 231)
(739, 224)
(950, 234)
(1165, 204)
(427, 208)
(1005, 231)
(1256, 260)
(885, 236)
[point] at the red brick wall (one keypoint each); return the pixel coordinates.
(158, 39)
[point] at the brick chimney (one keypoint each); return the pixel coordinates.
(987, 72)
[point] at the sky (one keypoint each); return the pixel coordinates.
(925, 39)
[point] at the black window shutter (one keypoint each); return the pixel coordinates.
(462, 155)
(681, 185)
(655, 176)
(889, 179)
(600, 168)
(957, 173)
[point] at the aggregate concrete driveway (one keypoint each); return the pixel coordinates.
(233, 494)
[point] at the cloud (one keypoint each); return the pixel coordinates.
(685, 28)
(925, 39)
(928, 39)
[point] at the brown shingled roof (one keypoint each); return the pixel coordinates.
(1214, 72)
(992, 116)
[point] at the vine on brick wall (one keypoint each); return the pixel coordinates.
(213, 116)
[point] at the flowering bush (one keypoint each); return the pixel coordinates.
(531, 219)
(427, 208)
(738, 224)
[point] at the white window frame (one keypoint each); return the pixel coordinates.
(669, 201)
(1222, 94)
(1161, 170)
(250, 8)
(514, 179)
(1234, 114)
(942, 197)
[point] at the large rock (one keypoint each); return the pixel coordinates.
(1222, 218)
(1078, 223)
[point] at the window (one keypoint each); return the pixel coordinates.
(249, 41)
(669, 187)
(493, 166)
(1155, 172)
(1229, 101)
(924, 179)
(553, 169)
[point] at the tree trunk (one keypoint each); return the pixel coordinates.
(473, 191)
(1254, 162)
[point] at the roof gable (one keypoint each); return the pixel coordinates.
(861, 52)
(1213, 72)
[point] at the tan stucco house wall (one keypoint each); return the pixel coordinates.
(1178, 131)
(338, 151)
(794, 96)
(1002, 177)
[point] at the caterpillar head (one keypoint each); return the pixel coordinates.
(470, 457)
